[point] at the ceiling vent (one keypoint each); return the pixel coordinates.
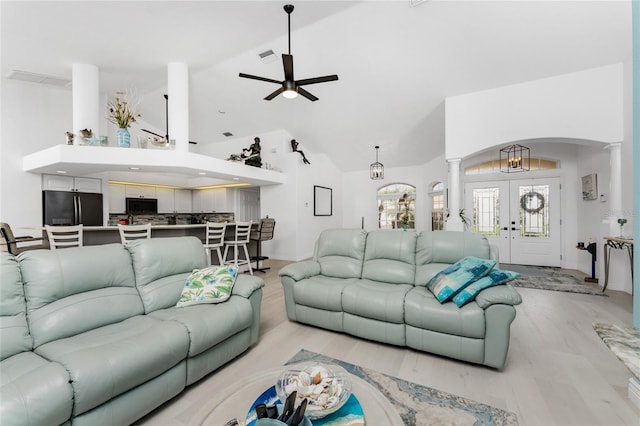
(268, 56)
(228, 134)
(39, 78)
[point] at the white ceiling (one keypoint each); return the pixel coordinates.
(396, 63)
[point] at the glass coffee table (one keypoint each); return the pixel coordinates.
(235, 400)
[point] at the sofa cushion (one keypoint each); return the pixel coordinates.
(34, 391)
(77, 289)
(447, 247)
(161, 267)
(208, 324)
(375, 300)
(321, 292)
(495, 277)
(423, 310)
(390, 257)
(448, 282)
(340, 252)
(14, 331)
(208, 285)
(108, 361)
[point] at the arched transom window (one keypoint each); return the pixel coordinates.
(397, 206)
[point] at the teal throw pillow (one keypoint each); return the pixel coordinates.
(448, 282)
(208, 285)
(495, 277)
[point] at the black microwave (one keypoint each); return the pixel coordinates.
(142, 206)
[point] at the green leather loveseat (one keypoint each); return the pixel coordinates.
(91, 335)
(373, 285)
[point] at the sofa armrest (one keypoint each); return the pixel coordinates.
(501, 294)
(300, 270)
(246, 285)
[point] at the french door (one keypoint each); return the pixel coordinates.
(521, 217)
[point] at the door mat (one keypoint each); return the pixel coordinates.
(421, 405)
(544, 278)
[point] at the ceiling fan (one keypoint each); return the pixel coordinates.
(290, 88)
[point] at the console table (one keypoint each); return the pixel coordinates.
(619, 244)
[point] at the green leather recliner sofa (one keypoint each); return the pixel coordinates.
(91, 335)
(373, 285)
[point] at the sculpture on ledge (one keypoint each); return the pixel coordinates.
(250, 156)
(294, 148)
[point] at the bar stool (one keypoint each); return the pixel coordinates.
(130, 233)
(214, 240)
(15, 246)
(264, 232)
(243, 229)
(64, 236)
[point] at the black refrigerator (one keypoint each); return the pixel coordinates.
(71, 208)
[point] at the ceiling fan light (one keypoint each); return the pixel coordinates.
(290, 94)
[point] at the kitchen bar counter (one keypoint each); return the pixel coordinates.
(94, 235)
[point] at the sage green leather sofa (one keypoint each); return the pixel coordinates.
(373, 285)
(91, 335)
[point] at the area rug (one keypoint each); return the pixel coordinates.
(624, 342)
(545, 278)
(417, 404)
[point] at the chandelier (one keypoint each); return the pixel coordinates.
(515, 158)
(376, 169)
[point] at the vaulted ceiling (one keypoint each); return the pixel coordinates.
(396, 61)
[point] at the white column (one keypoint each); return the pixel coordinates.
(615, 188)
(86, 99)
(178, 91)
(453, 222)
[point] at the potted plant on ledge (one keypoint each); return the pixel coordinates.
(122, 114)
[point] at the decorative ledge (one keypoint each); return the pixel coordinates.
(87, 160)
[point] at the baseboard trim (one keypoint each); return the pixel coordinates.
(634, 391)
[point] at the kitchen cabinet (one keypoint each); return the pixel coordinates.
(210, 200)
(182, 200)
(140, 191)
(71, 184)
(173, 200)
(117, 197)
(165, 200)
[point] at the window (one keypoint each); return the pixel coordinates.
(437, 206)
(493, 166)
(396, 206)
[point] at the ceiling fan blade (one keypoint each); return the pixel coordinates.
(255, 77)
(287, 61)
(316, 80)
(274, 94)
(306, 94)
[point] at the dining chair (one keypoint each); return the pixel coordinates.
(64, 236)
(130, 233)
(16, 245)
(263, 232)
(214, 240)
(241, 239)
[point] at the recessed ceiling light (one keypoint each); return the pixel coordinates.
(202, 173)
(236, 178)
(61, 171)
(227, 134)
(134, 168)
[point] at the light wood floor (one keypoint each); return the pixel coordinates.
(558, 371)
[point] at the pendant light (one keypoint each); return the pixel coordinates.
(515, 158)
(377, 168)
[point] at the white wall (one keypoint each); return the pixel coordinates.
(586, 105)
(34, 117)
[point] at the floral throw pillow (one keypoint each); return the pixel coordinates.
(495, 277)
(208, 285)
(448, 282)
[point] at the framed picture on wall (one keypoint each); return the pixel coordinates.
(590, 187)
(322, 201)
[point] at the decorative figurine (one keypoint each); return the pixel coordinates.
(253, 158)
(294, 148)
(70, 137)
